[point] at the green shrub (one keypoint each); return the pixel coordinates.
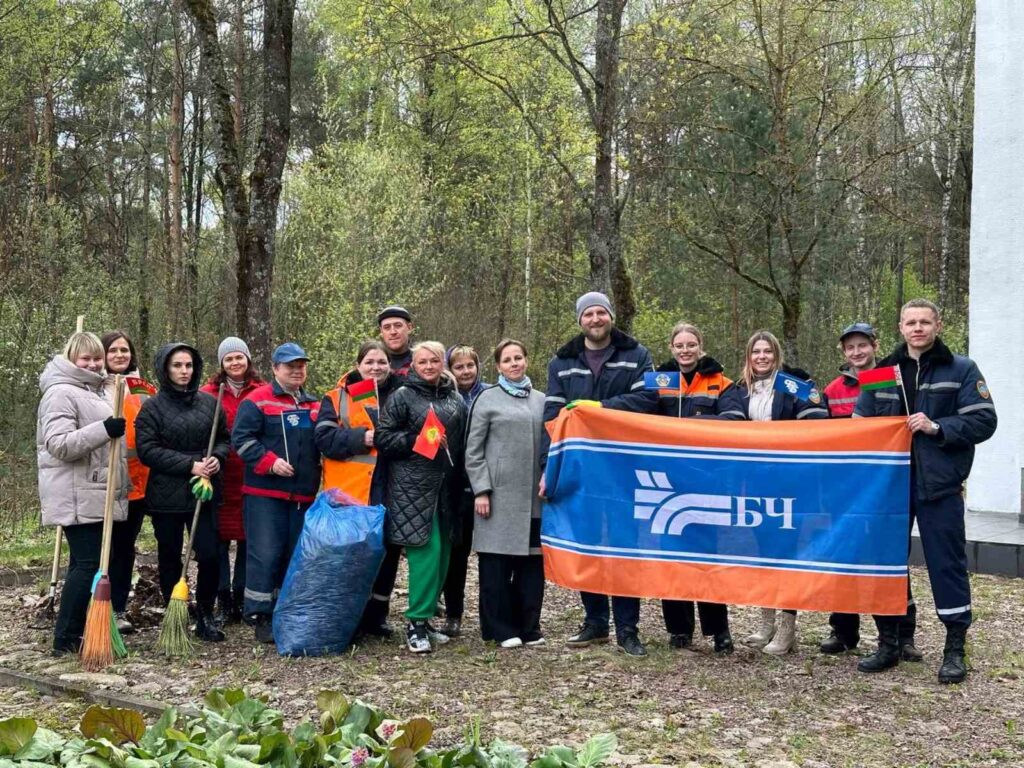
(235, 731)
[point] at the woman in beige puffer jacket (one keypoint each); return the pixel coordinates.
(73, 436)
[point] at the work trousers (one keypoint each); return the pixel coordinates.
(232, 580)
(122, 554)
(511, 596)
(379, 605)
(170, 529)
(428, 566)
(625, 610)
(458, 567)
(84, 542)
(940, 523)
(272, 529)
(714, 617)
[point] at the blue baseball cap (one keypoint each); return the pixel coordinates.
(287, 353)
(862, 328)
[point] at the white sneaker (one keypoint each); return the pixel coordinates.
(535, 643)
(512, 642)
(416, 638)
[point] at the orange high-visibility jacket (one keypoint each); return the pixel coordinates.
(355, 474)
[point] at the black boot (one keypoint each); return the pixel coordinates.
(888, 654)
(908, 626)
(237, 601)
(206, 626)
(224, 605)
(954, 666)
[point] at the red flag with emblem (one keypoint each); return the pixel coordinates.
(428, 442)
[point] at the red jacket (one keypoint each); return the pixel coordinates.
(841, 393)
(229, 515)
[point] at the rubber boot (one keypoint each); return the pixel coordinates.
(765, 633)
(888, 654)
(225, 604)
(954, 665)
(206, 626)
(908, 625)
(785, 638)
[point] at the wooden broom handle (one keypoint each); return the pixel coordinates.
(199, 503)
(113, 467)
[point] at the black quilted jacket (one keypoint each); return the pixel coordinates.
(418, 487)
(172, 431)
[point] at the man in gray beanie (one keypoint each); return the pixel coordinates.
(601, 367)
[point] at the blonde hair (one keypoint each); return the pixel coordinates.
(435, 348)
(921, 304)
(773, 342)
(461, 350)
(83, 343)
(685, 327)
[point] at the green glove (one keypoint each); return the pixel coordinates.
(202, 488)
(588, 403)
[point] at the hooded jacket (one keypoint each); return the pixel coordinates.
(418, 487)
(172, 432)
(710, 394)
(950, 391)
(73, 448)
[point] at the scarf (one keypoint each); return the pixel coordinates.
(519, 388)
(762, 394)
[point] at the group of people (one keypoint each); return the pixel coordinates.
(276, 446)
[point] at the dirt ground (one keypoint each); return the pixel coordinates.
(680, 708)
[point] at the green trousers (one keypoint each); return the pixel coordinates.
(428, 566)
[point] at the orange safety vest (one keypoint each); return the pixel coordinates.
(353, 475)
(137, 471)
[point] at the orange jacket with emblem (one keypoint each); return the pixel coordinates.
(709, 394)
(138, 472)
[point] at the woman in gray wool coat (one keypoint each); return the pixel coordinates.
(502, 450)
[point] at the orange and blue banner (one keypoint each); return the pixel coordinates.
(808, 515)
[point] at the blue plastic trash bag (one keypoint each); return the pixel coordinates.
(330, 576)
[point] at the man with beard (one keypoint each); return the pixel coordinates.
(601, 367)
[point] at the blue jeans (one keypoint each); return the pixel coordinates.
(626, 611)
(272, 528)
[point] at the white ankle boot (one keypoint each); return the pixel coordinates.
(785, 639)
(765, 633)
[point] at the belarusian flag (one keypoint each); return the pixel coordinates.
(139, 386)
(880, 378)
(429, 439)
(362, 390)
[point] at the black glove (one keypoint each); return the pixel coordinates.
(114, 426)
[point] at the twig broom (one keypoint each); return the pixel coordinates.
(174, 637)
(97, 641)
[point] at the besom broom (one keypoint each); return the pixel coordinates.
(174, 638)
(98, 643)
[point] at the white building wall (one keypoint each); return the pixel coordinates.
(997, 249)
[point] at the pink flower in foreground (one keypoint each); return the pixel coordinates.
(360, 756)
(388, 729)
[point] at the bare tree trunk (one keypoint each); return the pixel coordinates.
(251, 209)
(174, 158)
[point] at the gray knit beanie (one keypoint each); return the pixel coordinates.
(593, 299)
(229, 345)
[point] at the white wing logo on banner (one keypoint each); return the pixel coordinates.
(791, 386)
(670, 512)
(294, 419)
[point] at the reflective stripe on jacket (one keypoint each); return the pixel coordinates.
(259, 438)
(353, 475)
(952, 393)
(710, 394)
(841, 394)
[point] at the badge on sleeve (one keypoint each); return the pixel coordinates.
(815, 396)
(983, 389)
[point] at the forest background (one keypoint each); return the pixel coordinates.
(188, 169)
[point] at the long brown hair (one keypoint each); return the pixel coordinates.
(773, 342)
(109, 338)
(252, 377)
